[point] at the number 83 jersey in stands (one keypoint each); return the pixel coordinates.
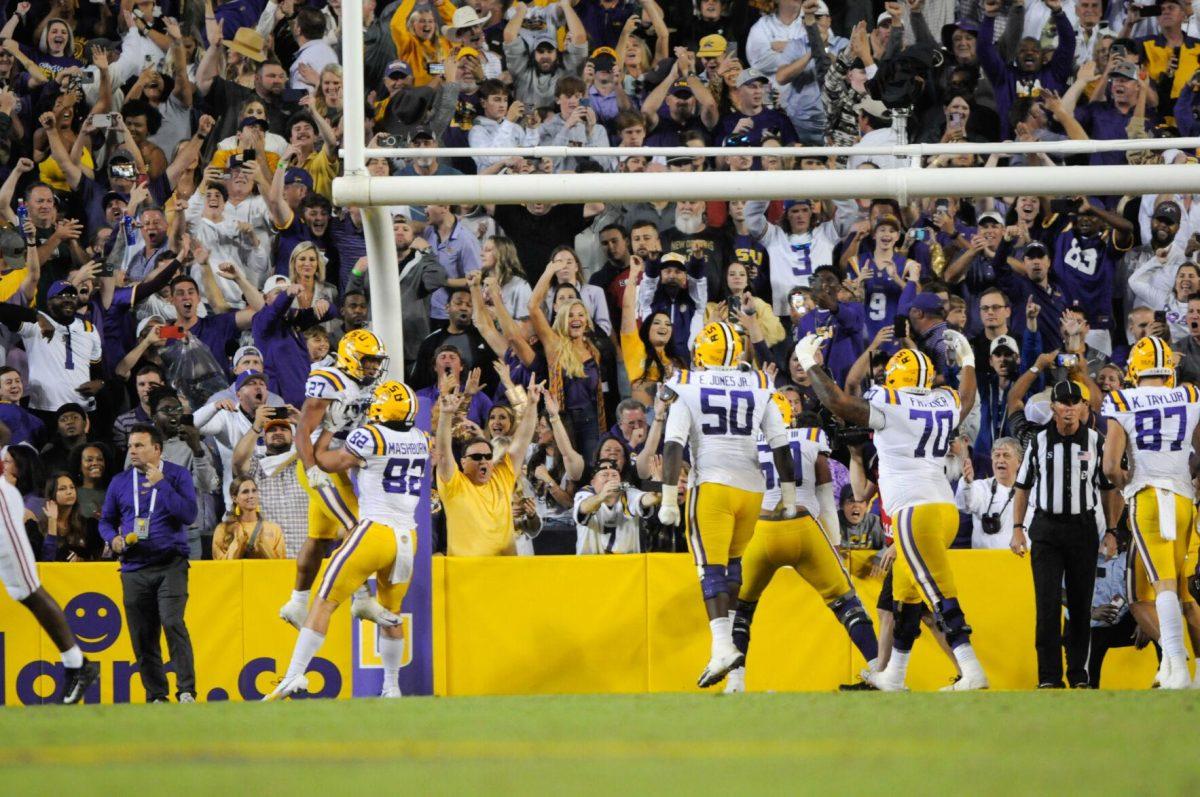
(718, 413)
(389, 482)
(912, 436)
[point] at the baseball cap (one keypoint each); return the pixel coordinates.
(70, 406)
(604, 59)
(681, 87)
(991, 216)
(253, 121)
(12, 247)
(245, 351)
(421, 132)
(1168, 210)
(926, 303)
(297, 175)
(1066, 392)
(1004, 342)
(59, 287)
(1124, 69)
(884, 17)
(544, 39)
(889, 220)
(398, 67)
(272, 282)
(248, 376)
(1035, 249)
(712, 46)
(750, 76)
(147, 321)
(464, 52)
(111, 195)
(673, 260)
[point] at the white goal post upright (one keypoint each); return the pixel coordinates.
(372, 193)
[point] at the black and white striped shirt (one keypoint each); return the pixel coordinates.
(1064, 474)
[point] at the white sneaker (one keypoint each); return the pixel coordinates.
(720, 664)
(390, 692)
(288, 687)
(370, 609)
(187, 697)
(884, 681)
(295, 613)
(735, 681)
(1177, 676)
(967, 683)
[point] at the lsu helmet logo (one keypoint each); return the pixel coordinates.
(354, 347)
(1151, 356)
(393, 401)
(718, 345)
(909, 368)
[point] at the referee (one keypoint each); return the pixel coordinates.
(1063, 476)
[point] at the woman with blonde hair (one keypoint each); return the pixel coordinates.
(245, 534)
(306, 268)
(573, 365)
(416, 31)
(500, 261)
(567, 270)
(328, 96)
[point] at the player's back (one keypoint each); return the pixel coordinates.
(349, 399)
(389, 483)
(723, 410)
(806, 444)
(912, 437)
(1159, 423)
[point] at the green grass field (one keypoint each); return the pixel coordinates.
(1007, 742)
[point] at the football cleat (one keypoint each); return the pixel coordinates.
(78, 680)
(885, 681)
(370, 609)
(968, 683)
(858, 686)
(718, 666)
(187, 697)
(295, 613)
(288, 687)
(1176, 676)
(390, 693)
(735, 681)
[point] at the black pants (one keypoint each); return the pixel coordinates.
(1104, 638)
(1063, 547)
(155, 598)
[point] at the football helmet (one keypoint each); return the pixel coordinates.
(909, 368)
(393, 401)
(785, 407)
(354, 346)
(718, 346)
(1151, 356)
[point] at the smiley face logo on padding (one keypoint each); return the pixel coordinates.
(95, 620)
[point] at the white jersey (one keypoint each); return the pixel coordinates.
(912, 437)
(807, 445)
(1159, 422)
(18, 567)
(349, 400)
(718, 413)
(389, 483)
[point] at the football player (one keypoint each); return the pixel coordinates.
(391, 457)
(913, 425)
(801, 543)
(1154, 426)
(335, 399)
(716, 409)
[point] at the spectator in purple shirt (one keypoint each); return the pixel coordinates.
(841, 322)
(216, 330)
(750, 117)
(1109, 118)
(457, 250)
(279, 335)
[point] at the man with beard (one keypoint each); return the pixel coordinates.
(70, 431)
(460, 332)
(64, 352)
(1086, 246)
(225, 421)
(1004, 362)
(284, 501)
(270, 80)
(535, 63)
(692, 237)
(182, 446)
(1165, 250)
(675, 285)
(840, 324)
(1026, 76)
(1033, 287)
(689, 105)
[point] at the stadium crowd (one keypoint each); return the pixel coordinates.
(173, 258)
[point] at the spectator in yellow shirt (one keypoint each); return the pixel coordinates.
(246, 534)
(303, 130)
(476, 495)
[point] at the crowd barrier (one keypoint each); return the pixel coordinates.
(537, 625)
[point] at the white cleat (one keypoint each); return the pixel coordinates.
(288, 687)
(370, 609)
(884, 682)
(1176, 676)
(295, 613)
(968, 683)
(390, 693)
(719, 665)
(735, 681)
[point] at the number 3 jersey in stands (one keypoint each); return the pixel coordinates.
(718, 413)
(1159, 422)
(912, 436)
(389, 482)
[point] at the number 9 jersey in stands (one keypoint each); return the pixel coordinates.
(389, 482)
(718, 412)
(912, 437)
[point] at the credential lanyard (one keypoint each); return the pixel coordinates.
(141, 524)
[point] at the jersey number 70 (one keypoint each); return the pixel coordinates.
(937, 426)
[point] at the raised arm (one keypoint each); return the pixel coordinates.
(210, 64)
(523, 434)
(572, 460)
(537, 313)
(184, 89)
(849, 408)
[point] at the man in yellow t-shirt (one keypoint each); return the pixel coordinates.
(475, 494)
(14, 274)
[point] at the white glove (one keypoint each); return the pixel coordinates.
(806, 350)
(668, 510)
(961, 347)
(787, 493)
(317, 478)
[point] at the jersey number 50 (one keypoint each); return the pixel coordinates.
(736, 419)
(937, 427)
(403, 476)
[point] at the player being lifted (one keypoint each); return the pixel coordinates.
(334, 400)
(913, 422)
(800, 543)
(1154, 426)
(391, 457)
(716, 410)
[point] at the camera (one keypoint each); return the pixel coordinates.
(990, 523)
(388, 141)
(734, 303)
(1062, 205)
(1066, 360)
(851, 436)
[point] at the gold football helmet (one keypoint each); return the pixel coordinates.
(354, 346)
(718, 345)
(785, 407)
(393, 401)
(909, 368)
(1151, 356)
